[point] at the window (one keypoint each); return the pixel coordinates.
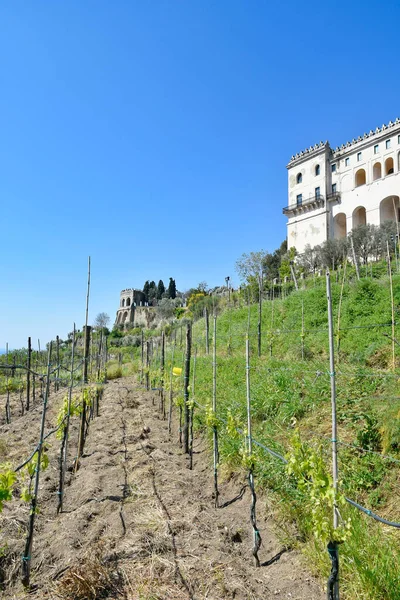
(376, 149)
(317, 192)
(359, 156)
(299, 178)
(333, 188)
(299, 199)
(387, 144)
(347, 162)
(334, 168)
(318, 168)
(398, 139)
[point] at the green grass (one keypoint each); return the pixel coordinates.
(289, 393)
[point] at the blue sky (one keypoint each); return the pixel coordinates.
(154, 137)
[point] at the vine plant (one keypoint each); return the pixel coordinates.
(306, 465)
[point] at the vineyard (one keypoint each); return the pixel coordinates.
(284, 411)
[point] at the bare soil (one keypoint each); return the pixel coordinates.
(137, 523)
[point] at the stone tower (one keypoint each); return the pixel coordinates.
(128, 301)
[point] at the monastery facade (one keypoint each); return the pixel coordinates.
(333, 191)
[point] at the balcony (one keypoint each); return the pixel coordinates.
(333, 197)
(305, 205)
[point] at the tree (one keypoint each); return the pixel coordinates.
(160, 289)
(101, 321)
(152, 294)
(310, 259)
(172, 289)
(332, 252)
(250, 266)
(166, 307)
(146, 288)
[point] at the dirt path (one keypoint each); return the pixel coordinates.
(138, 521)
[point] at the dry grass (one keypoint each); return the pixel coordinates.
(90, 579)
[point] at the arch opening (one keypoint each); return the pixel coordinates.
(377, 171)
(123, 302)
(359, 216)
(389, 209)
(124, 318)
(339, 226)
(128, 301)
(360, 178)
(317, 170)
(389, 166)
(299, 178)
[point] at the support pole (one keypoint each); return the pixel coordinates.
(27, 556)
(57, 381)
(392, 305)
(171, 393)
(191, 413)
(186, 389)
(28, 374)
(162, 369)
(333, 582)
(87, 333)
(64, 443)
(260, 287)
(214, 408)
(354, 258)
(207, 325)
(253, 518)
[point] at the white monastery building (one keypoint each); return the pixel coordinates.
(333, 191)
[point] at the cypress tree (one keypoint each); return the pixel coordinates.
(146, 288)
(160, 289)
(172, 289)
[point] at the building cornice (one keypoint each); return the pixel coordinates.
(355, 144)
(304, 155)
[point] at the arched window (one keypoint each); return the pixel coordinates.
(339, 226)
(360, 178)
(359, 217)
(317, 170)
(124, 318)
(299, 178)
(128, 301)
(377, 171)
(123, 302)
(389, 166)
(389, 209)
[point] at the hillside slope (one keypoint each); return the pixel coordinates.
(137, 522)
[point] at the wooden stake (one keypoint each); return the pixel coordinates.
(207, 324)
(170, 386)
(260, 286)
(87, 332)
(186, 389)
(28, 374)
(334, 583)
(256, 533)
(392, 305)
(162, 369)
(355, 258)
(64, 443)
(27, 556)
(214, 408)
(340, 310)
